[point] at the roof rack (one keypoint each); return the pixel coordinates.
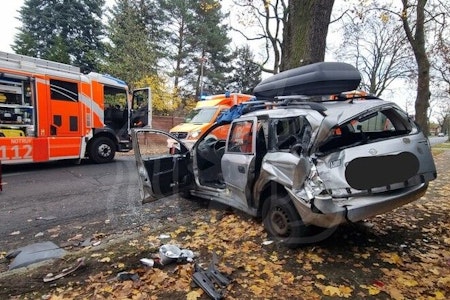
(283, 102)
(279, 102)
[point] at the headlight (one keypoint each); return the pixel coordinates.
(195, 134)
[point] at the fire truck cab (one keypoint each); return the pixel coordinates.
(52, 111)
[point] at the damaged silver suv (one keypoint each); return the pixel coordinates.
(304, 156)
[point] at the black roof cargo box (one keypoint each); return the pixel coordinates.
(323, 78)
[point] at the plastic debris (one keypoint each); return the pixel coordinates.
(34, 253)
(169, 254)
(265, 243)
(148, 262)
(127, 276)
(187, 255)
(79, 263)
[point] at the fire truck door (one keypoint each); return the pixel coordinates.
(65, 109)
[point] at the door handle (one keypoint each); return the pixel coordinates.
(241, 169)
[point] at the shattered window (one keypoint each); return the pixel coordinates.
(287, 132)
(241, 139)
(367, 128)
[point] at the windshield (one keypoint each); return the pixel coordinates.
(202, 115)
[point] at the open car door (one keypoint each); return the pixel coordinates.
(162, 171)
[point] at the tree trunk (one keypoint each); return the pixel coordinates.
(304, 37)
(417, 42)
(423, 92)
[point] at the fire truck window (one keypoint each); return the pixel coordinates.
(115, 98)
(140, 99)
(63, 90)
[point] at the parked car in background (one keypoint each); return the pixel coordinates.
(302, 163)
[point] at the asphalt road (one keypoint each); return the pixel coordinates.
(64, 202)
(438, 139)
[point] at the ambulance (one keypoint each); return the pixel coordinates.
(204, 115)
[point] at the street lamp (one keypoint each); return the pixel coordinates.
(203, 60)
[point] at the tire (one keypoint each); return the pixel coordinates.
(102, 150)
(283, 223)
(281, 220)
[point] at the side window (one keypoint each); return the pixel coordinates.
(375, 123)
(115, 97)
(241, 137)
(63, 90)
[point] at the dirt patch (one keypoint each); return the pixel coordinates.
(383, 258)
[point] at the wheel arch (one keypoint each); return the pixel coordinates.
(104, 132)
(268, 189)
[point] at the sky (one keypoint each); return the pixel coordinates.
(9, 23)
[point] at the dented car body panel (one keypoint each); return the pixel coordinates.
(297, 164)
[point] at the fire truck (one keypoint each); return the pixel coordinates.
(52, 111)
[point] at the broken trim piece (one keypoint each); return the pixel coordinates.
(67, 271)
(209, 278)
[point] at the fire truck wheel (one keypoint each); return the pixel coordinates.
(102, 150)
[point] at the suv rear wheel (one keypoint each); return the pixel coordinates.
(283, 223)
(281, 220)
